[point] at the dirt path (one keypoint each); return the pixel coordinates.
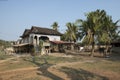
(1, 61)
(99, 73)
(45, 71)
(53, 72)
(14, 57)
(22, 74)
(21, 69)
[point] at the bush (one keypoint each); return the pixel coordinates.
(3, 56)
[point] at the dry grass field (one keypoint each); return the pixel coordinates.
(58, 66)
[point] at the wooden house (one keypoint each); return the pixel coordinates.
(36, 39)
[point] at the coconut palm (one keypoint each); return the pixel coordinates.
(92, 26)
(97, 27)
(55, 26)
(71, 33)
(108, 33)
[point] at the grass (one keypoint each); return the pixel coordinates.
(27, 61)
(88, 68)
(104, 66)
(32, 78)
(15, 64)
(3, 56)
(80, 74)
(52, 59)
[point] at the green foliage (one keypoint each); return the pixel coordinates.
(98, 27)
(5, 44)
(55, 26)
(3, 56)
(71, 32)
(33, 51)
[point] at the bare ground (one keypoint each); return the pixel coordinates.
(60, 71)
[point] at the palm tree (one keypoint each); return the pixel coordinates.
(109, 32)
(98, 27)
(71, 33)
(55, 26)
(92, 26)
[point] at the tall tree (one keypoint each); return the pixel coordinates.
(92, 26)
(55, 26)
(97, 27)
(71, 33)
(108, 33)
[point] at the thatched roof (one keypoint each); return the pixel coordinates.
(40, 30)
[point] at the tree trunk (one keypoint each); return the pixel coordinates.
(106, 50)
(93, 48)
(72, 46)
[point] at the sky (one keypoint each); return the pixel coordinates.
(18, 15)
